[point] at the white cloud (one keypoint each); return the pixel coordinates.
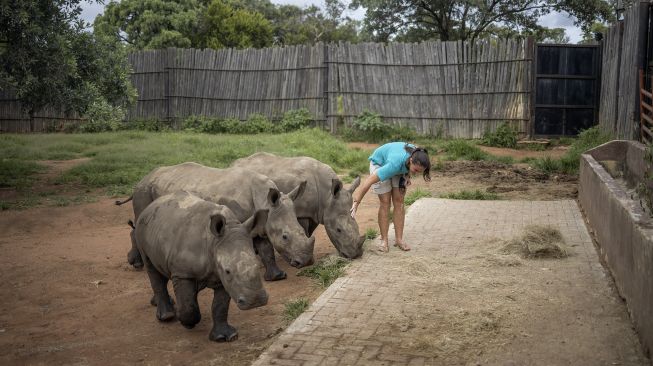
(90, 10)
(562, 20)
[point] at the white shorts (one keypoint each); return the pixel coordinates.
(397, 181)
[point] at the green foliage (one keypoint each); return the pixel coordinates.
(17, 174)
(101, 117)
(371, 234)
(326, 270)
(152, 24)
(463, 150)
(294, 308)
(471, 195)
(53, 61)
(295, 119)
(504, 136)
(419, 20)
(224, 26)
(151, 125)
(369, 127)
(415, 195)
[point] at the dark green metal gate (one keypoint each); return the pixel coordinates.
(567, 86)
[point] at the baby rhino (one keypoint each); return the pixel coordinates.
(199, 244)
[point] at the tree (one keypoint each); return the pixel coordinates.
(49, 58)
(448, 20)
(225, 26)
(594, 33)
(151, 24)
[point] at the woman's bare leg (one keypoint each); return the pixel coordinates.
(398, 217)
(384, 221)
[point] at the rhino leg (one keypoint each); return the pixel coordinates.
(188, 310)
(134, 256)
(165, 310)
(221, 331)
(264, 249)
(308, 225)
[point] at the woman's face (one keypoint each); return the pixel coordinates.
(415, 168)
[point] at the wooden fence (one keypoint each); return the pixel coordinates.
(14, 120)
(624, 54)
(442, 88)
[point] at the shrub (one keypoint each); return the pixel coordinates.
(152, 125)
(295, 119)
(257, 123)
(371, 234)
(102, 116)
(461, 149)
(504, 136)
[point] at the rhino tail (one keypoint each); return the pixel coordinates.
(118, 203)
(131, 223)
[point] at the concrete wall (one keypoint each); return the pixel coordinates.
(623, 230)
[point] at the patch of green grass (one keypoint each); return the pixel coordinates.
(471, 195)
(63, 201)
(294, 308)
(17, 174)
(415, 195)
(4, 205)
(528, 159)
(326, 270)
(120, 159)
(547, 164)
(371, 234)
(463, 150)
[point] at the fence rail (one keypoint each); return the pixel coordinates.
(459, 89)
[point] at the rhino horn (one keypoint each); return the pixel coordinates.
(298, 191)
(255, 225)
(273, 197)
(355, 184)
(218, 225)
(336, 187)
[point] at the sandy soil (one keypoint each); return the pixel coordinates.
(69, 297)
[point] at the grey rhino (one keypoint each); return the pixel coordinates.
(324, 200)
(244, 192)
(199, 244)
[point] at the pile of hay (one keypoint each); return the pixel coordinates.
(538, 242)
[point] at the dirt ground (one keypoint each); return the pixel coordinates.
(69, 297)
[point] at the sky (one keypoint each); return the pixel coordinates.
(552, 20)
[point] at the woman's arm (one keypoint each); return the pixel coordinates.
(361, 191)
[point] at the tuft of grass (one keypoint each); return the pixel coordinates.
(463, 150)
(326, 270)
(570, 162)
(294, 308)
(415, 195)
(471, 195)
(371, 234)
(508, 160)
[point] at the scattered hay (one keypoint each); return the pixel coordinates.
(538, 242)
(504, 260)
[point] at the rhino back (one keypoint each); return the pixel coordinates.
(173, 233)
(287, 173)
(243, 191)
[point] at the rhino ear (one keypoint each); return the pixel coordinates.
(336, 187)
(355, 184)
(273, 197)
(298, 191)
(255, 225)
(218, 224)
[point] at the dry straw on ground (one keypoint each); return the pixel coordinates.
(538, 241)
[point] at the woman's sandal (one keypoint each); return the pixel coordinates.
(380, 247)
(402, 246)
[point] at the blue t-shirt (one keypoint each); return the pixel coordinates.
(391, 157)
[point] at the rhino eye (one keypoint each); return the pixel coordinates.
(228, 271)
(339, 230)
(284, 237)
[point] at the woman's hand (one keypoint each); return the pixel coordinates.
(354, 207)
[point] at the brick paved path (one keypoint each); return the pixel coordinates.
(457, 299)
